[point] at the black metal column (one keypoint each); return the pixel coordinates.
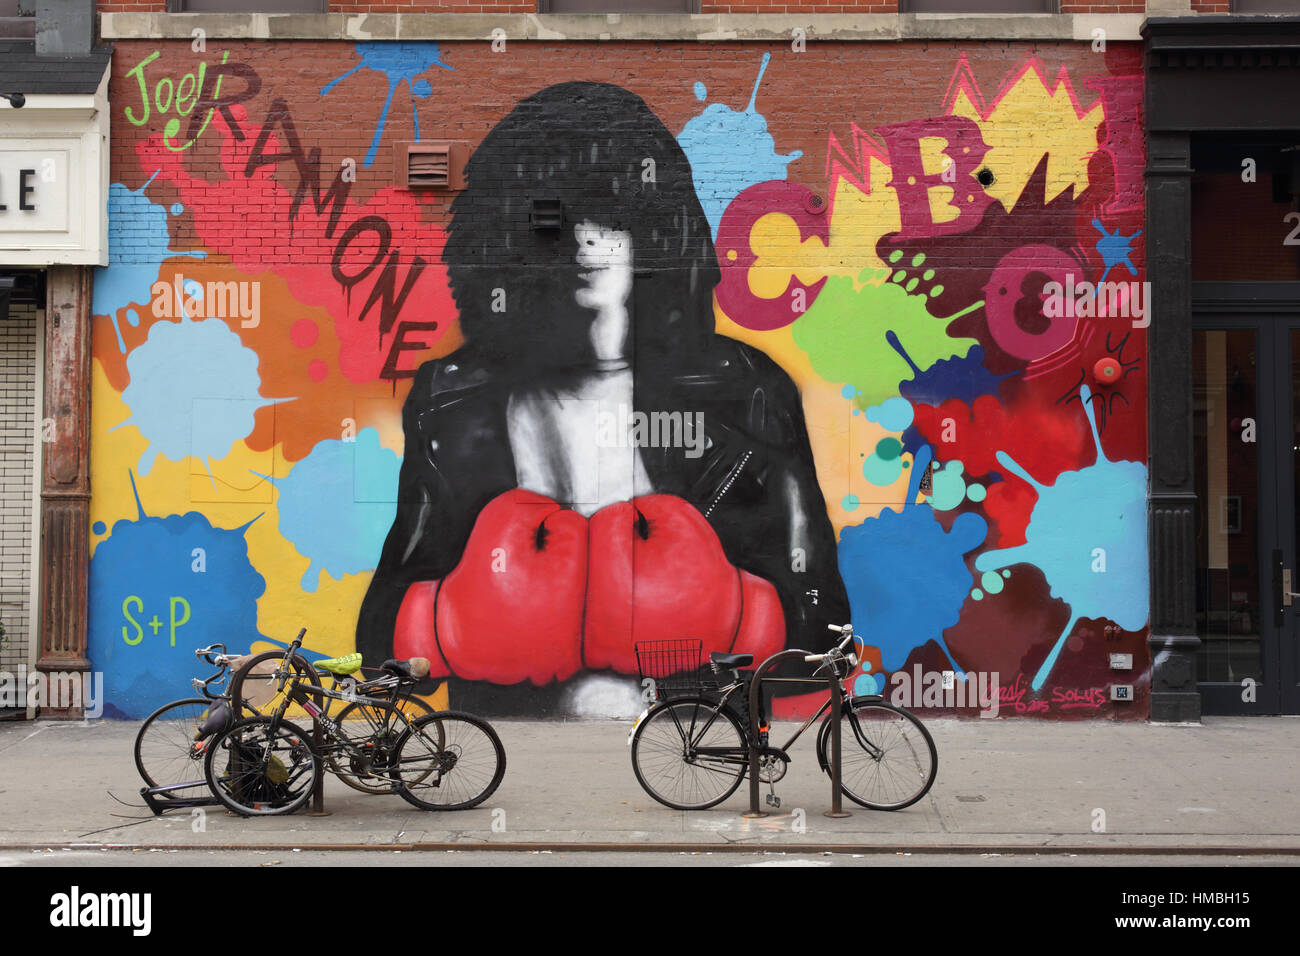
(1171, 519)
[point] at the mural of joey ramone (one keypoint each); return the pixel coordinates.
(595, 466)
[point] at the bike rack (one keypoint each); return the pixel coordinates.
(159, 799)
(318, 779)
(837, 810)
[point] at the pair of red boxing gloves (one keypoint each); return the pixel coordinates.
(542, 592)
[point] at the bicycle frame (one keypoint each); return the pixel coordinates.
(336, 741)
(741, 755)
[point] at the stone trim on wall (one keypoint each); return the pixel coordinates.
(572, 27)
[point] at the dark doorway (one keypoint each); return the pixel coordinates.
(1247, 467)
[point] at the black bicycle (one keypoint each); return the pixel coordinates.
(170, 744)
(265, 765)
(690, 751)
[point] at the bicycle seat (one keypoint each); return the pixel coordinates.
(416, 668)
(341, 666)
(731, 660)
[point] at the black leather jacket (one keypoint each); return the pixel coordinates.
(755, 481)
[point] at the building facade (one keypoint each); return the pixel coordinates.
(512, 340)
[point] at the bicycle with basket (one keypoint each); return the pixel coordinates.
(691, 746)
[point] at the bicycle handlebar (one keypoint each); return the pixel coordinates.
(846, 630)
(288, 657)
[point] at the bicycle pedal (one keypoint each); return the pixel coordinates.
(774, 801)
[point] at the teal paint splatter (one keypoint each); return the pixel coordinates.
(1101, 506)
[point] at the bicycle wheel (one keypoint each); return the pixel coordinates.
(448, 761)
(169, 747)
(667, 761)
(374, 731)
(254, 684)
(888, 760)
(257, 772)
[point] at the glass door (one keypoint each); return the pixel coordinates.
(1247, 464)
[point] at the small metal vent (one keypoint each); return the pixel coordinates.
(546, 214)
(431, 165)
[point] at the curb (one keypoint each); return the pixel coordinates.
(551, 847)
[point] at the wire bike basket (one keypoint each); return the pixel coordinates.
(672, 668)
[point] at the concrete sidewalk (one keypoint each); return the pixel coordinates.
(1231, 783)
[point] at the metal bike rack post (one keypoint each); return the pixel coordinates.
(318, 778)
(837, 810)
(755, 695)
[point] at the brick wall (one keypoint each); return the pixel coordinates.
(17, 423)
(291, 195)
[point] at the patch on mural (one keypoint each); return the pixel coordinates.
(160, 587)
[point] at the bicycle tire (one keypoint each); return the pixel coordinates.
(248, 687)
(164, 746)
(660, 743)
(344, 766)
(256, 791)
(423, 765)
(888, 729)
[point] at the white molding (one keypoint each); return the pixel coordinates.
(78, 124)
(617, 27)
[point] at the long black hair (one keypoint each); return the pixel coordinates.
(606, 158)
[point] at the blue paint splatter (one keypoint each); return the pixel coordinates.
(138, 241)
(1115, 249)
(400, 63)
(1102, 507)
(963, 377)
(893, 414)
(153, 559)
(193, 390)
(906, 577)
(336, 505)
(730, 151)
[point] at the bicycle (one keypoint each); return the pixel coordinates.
(170, 744)
(267, 765)
(357, 721)
(690, 750)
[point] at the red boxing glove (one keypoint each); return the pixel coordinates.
(415, 634)
(540, 592)
(657, 572)
(512, 608)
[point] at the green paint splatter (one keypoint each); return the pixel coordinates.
(889, 448)
(843, 333)
(992, 581)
